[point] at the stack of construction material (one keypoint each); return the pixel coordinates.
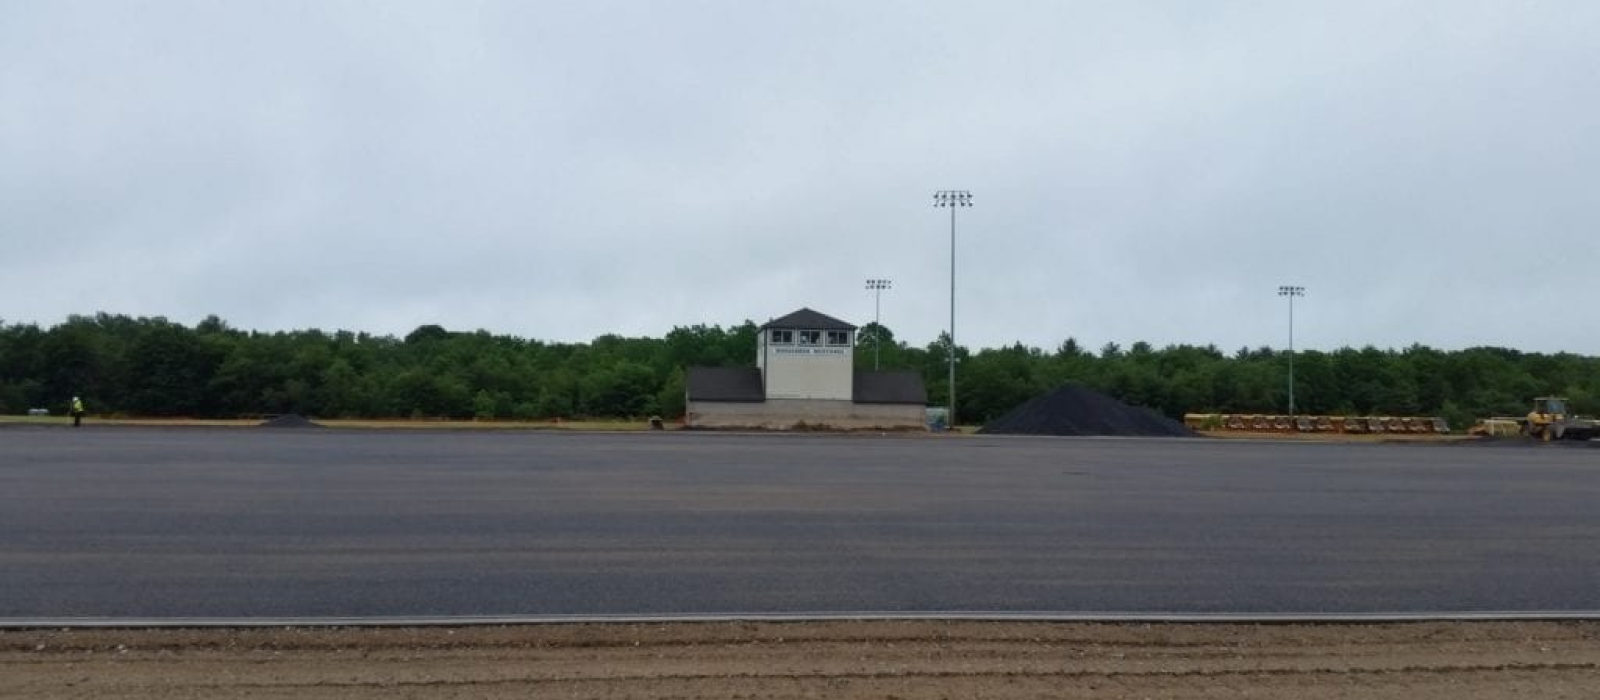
(1267, 423)
(1075, 410)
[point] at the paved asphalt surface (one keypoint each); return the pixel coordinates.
(108, 521)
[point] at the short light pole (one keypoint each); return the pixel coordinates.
(1291, 292)
(877, 286)
(952, 199)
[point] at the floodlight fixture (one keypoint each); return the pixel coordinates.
(952, 198)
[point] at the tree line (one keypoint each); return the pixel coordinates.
(155, 367)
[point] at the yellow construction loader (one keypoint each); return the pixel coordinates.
(1550, 420)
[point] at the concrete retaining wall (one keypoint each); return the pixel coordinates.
(789, 414)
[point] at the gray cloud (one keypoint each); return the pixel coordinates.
(1141, 171)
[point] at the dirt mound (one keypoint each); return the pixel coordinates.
(290, 420)
(1075, 410)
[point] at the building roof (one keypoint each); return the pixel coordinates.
(806, 318)
(725, 384)
(895, 386)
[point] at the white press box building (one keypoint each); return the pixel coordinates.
(804, 377)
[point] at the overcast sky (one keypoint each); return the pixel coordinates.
(1429, 171)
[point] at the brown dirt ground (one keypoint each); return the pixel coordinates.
(1416, 661)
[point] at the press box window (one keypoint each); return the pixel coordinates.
(838, 337)
(782, 337)
(810, 337)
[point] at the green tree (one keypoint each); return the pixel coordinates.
(625, 389)
(670, 400)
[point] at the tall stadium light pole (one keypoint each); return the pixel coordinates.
(877, 286)
(952, 199)
(1291, 291)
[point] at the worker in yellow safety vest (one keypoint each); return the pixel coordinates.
(77, 411)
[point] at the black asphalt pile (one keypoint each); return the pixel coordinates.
(1075, 410)
(290, 420)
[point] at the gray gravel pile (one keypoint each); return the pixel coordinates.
(290, 420)
(1075, 410)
